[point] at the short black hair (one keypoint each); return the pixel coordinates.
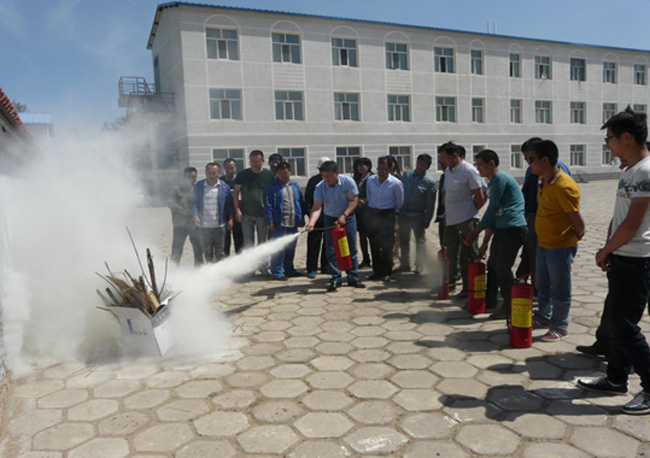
(283, 165)
(188, 170)
(212, 164)
(256, 152)
(426, 158)
(449, 148)
(631, 122)
(228, 161)
(382, 159)
(329, 166)
(546, 148)
(488, 155)
(529, 144)
(275, 156)
(461, 151)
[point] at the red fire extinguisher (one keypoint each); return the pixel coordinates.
(476, 278)
(521, 315)
(443, 262)
(342, 248)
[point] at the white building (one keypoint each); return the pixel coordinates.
(310, 86)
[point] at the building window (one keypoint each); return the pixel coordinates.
(577, 157)
(344, 52)
(578, 113)
(403, 156)
(609, 110)
(444, 60)
(446, 109)
(399, 108)
(477, 62)
(515, 65)
(296, 159)
(477, 149)
(543, 67)
(221, 44)
(346, 106)
(286, 47)
(639, 74)
(609, 72)
(578, 70)
(607, 157)
(345, 157)
(515, 111)
(516, 157)
(543, 112)
(477, 110)
(288, 106)
(220, 154)
(225, 104)
(640, 108)
(397, 56)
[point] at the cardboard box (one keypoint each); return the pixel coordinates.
(142, 334)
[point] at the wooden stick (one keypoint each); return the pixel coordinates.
(137, 255)
(152, 273)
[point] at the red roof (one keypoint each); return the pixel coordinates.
(8, 108)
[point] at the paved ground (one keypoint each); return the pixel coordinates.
(384, 371)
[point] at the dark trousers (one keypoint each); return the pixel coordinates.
(629, 289)
(237, 236)
(212, 242)
(408, 224)
(460, 254)
(180, 234)
(602, 333)
(381, 232)
(316, 248)
(362, 217)
(527, 264)
(333, 268)
(503, 254)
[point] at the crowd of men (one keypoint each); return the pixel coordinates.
(541, 219)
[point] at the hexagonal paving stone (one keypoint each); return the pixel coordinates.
(183, 410)
(284, 389)
(374, 412)
(427, 426)
(116, 388)
(446, 354)
(604, 442)
(373, 371)
(106, 448)
(313, 449)
(246, 379)
(515, 399)
(632, 426)
(89, 380)
(331, 363)
(146, 399)
(267, 439)
(536, 426)
(323, 425)
(370, 342)
(327, 400)
(418, 400)
(137, 370)
(165, 438)
(370, 356)
(414, 379)
(301, 342)
(33, 421)
(426, 449)
(376, 439)
(38, 389)
(236, 399)
(488, 439)
(221, 424)
(578, 412)
(123, 424)
(372, 389)
(335, 348)
(63, 436)
(63, 399)
(168, 379)
(410, 362)
(471, 410)
(92, 410)
(449, 369)
(290, 371)
(329, 380)
(277, 411)
(212, 371)
(548, 449)
(199, 389)
(462, 387)
(207, 449)
(485, 361)
(256, 363)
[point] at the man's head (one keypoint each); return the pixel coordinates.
(283, 172)
(230, 167)
(423, 163)
(527, 146)
(451, 154)
(543, 157)
(274, 160)
(189, 174)
(487, 163)
(383, 167)
(627, 132)
(322, 160)
(329, 172)
(212, 172)
(256, 158)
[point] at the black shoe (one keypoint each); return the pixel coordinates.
(417, 270)
(364, 264)
(603, 385)
(402, 270)
(640, 405)
(294, 274)
(333, 286)
(591, 350)
(356, 284)
(500, 314)
(385, 278)
(279, 278)
(374, 277)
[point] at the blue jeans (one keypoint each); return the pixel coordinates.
(553, 281)
(282, 262)
(351, 230)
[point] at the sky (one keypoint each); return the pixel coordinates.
(66, 56)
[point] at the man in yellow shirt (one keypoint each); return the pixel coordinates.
(559, 226)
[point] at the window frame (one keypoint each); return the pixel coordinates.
(610, 74)
(478, 110)
(577, 114)
(225, 101)
(390, 56)
(401, 157)
(347, 158)
(340, 105)
(514, 65)
(240, 161)
(540, 111)
(399, 109)
(337, 52)
(539, 66)
(640, 74)
(614, 109)
(281, 45)
(518, 111)
(227, 42)
(606, 152)
(287, 156)
(577, 72)
(440, 109)
(440, 57)
(640, 108)
(289, 101)
(582, 154)
(476, 63)
(516, 157)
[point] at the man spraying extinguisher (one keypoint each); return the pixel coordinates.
(337, 197)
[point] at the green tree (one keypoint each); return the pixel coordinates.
(116, 125)
(20, 107)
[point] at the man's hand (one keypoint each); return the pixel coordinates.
(238, 215)
(341, 221)
(197, 221)
(272, 228)
(469, 238)
(229, 224)
(481, 251)
(309, 227)
(602, 260)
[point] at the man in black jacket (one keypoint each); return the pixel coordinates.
(315, 243)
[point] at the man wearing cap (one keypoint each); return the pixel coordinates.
(314, 238)
(337, 197)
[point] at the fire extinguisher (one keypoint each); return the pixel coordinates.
(443, 262)
(342, 248)
(521, 314)
(476, 278)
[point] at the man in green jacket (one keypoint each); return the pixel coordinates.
(180, 203)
